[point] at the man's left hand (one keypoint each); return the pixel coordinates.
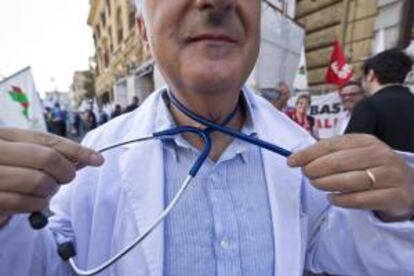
(360, 172)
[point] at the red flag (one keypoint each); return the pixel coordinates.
(339, 72)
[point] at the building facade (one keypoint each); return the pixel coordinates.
(77, 90)
(362, 27)
(124, 69)
(119, 53)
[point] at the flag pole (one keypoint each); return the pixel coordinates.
(15, 74)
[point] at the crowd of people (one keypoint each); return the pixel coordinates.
(76, 124)
(378, 104)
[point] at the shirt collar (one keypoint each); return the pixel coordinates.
(164, 120)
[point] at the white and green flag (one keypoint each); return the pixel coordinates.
(20, 104)
(301, 78)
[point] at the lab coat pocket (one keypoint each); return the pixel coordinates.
(125, 232)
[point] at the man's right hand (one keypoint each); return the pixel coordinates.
(32, 167)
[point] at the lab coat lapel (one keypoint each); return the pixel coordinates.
(284, 188)
(284, 196)
(142, 173)
(144, 184)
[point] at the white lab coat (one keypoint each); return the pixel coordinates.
(105, 208)
(342, 124)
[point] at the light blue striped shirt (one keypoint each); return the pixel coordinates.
(222, 225)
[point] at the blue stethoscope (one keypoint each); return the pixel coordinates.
(67, 250)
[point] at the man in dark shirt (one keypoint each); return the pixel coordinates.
(133, 106)
(117, 111)
(389, 112)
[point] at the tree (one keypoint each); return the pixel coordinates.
(89, 85)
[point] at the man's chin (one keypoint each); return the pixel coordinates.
(214, 82)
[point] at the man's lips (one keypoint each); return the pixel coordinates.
(212, 38)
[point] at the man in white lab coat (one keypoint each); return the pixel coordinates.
(347, 211)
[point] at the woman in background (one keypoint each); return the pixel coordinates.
(299, 114)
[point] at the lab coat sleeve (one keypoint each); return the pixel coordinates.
(355, 242)
(25, 252)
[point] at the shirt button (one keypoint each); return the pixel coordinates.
(225, 244)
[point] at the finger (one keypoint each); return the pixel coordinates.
(354, 181)
(357, 181)
(75, 152)
(379, 200)
(27, 181)
(324, 147)
(11, 203)
(37, 157)
(344, 161)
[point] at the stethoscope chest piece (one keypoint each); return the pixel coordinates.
(66, 251)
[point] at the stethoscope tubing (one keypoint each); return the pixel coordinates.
(228, 131)
(138, 240)
(204, 134)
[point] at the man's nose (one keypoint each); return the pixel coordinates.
(216, 5)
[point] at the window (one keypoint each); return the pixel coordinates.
(99, 60)
(106, 59)
(111, 46)
(131, 17)
(98, 32)
(120, 29)
(106, 53)
(103, 19)
(108, 5)
(95, 41)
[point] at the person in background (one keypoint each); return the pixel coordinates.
(351, 93)
(117, 111)
(300, 114)
(90, 120)
(133, 106)
(103, 117)
(58, 121)
(388, 113)
(278, 97)
(272, 95)
(281, 103)
(48, 118)
(77, 125)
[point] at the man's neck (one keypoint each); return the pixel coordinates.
(380, 87)
(215, 108)
(212, 106)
